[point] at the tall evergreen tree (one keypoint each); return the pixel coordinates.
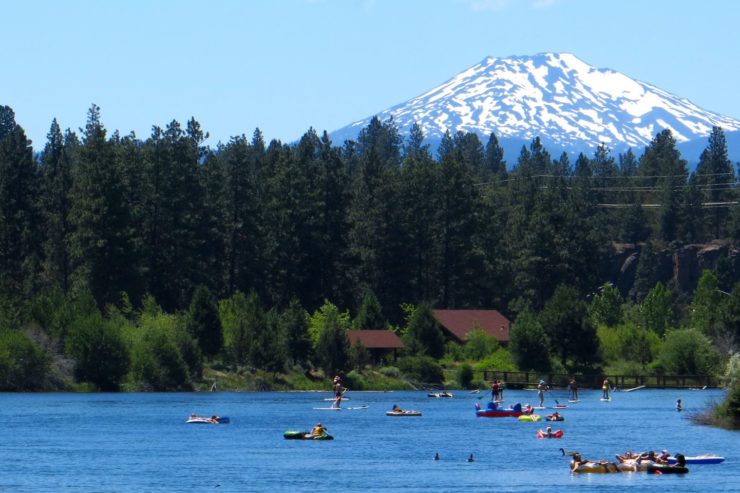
(19, 217)
(370, 316)
(495, 163)
(102, 242)
(56, 184)
(203, 322)
(715, 178)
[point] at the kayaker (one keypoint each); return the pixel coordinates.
(318, 430)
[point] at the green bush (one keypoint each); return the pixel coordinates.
(390, 372)
(478, 344)
(422, 369)
(23, 365)
(728, 412)
(355, 381)
(158, 365)
(500, 360)
(98, 348)
(688, 352)
(465, 375)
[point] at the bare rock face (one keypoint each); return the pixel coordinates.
(681, 265)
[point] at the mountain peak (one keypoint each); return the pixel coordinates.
(567, 102)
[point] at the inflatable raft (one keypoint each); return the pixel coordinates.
(666, 469)
(407, 412)
(699, 459)
(554, 434)
(493, 411)
(530, 417)
(305, 435)
(202, 420)
(590, 467)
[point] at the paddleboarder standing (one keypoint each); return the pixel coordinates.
(573, 387)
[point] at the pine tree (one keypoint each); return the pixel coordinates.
(423, 335)
(19, 227)
(370, 316)
(203, 322)
(102, 242)
(494, 160)
(715, 178)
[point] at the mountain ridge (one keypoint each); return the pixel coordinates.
(571, 105)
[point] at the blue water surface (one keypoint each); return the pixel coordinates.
(140, 443)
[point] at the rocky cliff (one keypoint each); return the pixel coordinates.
(678, 265)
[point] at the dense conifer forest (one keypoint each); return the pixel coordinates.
(143, 263)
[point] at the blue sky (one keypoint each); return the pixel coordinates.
(287, 65)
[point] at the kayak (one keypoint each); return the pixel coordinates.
(554, 434)
(407, 412)
(699, 459)
(201, 420)
(493, 411)
(530, 417)
(305, 435)
(666, 469)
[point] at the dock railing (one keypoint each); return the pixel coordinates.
(524, 379)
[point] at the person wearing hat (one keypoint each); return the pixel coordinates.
(541, 387)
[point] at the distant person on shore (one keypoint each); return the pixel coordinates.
(679, 407)
(573, 387)
(605, 389)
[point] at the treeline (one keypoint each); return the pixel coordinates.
(112, 224)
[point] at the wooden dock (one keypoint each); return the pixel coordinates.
(524, 379)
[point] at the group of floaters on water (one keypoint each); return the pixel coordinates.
(649, 462)
(629, 462)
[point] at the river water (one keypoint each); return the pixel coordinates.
(140, 443)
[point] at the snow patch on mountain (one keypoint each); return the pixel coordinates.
(566, 102)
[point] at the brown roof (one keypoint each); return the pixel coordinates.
(375, 339)
(460, 322)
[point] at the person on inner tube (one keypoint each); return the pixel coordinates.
(318, 430)
(397, 409)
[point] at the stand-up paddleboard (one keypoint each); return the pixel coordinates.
(340, 408)
(574, 400)
(606, 400)
(635, 388)
(334, 398)
(539, 407)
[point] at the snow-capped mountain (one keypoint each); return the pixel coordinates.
(568, 103)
